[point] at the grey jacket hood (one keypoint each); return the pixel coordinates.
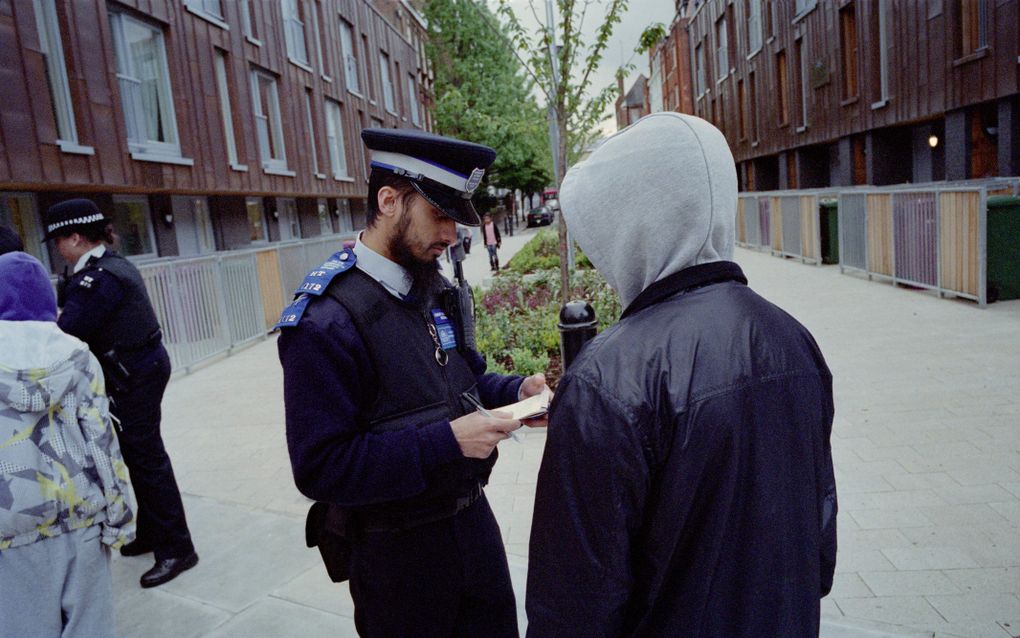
(657, 197)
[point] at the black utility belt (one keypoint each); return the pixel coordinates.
(383, 522)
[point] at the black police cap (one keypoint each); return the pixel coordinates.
(72, 215)
(445, 171)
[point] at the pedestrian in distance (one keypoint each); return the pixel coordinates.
(686, 487)
(384, 393)
(490, 232)
(106, 306)
(64, 495)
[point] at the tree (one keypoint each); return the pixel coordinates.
(567, 84)
(483, 94)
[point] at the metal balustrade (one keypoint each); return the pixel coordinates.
(210, 305)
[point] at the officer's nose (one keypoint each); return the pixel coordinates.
(448, 231)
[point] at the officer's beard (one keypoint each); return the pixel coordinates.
(425, 275)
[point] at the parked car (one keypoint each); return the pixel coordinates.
(541, 216)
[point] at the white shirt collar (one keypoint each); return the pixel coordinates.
(391, 275)
(96, 252)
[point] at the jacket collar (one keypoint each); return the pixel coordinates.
(686, 280)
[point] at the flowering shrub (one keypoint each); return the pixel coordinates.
(516, 319)
(543, 253)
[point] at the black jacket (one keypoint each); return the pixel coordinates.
(686, 487)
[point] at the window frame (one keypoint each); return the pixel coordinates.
(310, 117)
(226, 110)
(248, 24)
(350, 57)
(51, 43)
(412, 102)
(200, 8)
(849, 59)
(335, 141)
(125, 198)
(293, 28)
(722, 49)
(386, 81)
(274, 124)
(127, 73)
(754, 27)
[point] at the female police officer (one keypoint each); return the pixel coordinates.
(106, 306)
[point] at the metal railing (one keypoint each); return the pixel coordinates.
(210, 305)
(931, 236)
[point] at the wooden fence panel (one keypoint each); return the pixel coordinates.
(741, 217)
(809, 248)
(268, 265)
(958, 241)
(880, 234)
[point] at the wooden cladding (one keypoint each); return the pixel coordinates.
(869, 65)
(235, 103)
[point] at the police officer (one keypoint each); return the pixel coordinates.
(107, 307)
(382, 393)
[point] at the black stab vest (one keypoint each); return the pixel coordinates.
(409, 386)
(133, 322)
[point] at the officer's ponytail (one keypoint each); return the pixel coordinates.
(100, 231)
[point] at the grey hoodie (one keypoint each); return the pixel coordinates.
(657, 197)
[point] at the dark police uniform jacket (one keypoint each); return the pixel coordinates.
(368, 407)
(107, 306)
(687, 485)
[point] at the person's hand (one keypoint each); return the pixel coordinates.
(535, 384)
(478, 434)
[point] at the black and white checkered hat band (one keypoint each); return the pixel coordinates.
(77, 221)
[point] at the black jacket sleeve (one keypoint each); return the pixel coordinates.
(92, 298)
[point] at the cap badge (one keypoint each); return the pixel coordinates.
(474, 180)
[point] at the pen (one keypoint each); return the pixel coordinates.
(478, 404)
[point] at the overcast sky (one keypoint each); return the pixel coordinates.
(639, 14)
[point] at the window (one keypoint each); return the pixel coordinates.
(132, 221)
(368, 67)
(803, 6)
(211, 10)
(783, 99)
(311, 134)
(801, 73)
(722, 61)
(268, 123)
(770, 18)
(325, 223)
(256, 221)
(972, 18)
(412, 100)
(251, 32)
(287, 218)
(699, 63)
(753, 109)
(56, 75)
(294, 32)
(335, 140)
(848, 50)
(880, 54)
(350, 61)
(741, 110)
(317, 24)
(192, 226)
(387, 84)
(17, 212)
(343, 212)
(223, 86)
(752, 9)
(144, 80)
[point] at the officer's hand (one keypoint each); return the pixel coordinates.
(478, 434)
(535, 384)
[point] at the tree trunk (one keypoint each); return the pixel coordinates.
(561, 154)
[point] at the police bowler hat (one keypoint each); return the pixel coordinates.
(70, 216)
(445, 171)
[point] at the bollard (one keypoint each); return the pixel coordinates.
(577, 326)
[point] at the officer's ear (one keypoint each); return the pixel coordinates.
(388, 200)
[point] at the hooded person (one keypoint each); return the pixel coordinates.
(64, 495)
(686, 487)
(9, 240)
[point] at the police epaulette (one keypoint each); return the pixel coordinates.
(315, 284)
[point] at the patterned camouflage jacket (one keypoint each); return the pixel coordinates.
(60, 463)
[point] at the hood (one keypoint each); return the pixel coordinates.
(26, 294)
(39, 364)
(657, 197)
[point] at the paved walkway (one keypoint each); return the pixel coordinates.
(926, 444)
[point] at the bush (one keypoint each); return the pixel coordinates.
(516, 319)
(543, 253)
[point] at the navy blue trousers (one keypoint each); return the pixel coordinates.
(442, 579)
(161, 521)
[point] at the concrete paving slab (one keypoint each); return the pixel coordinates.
(274, 618)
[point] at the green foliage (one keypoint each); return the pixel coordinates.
(516, 319)
(483, 94)
(543, 253)
(651, 36)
